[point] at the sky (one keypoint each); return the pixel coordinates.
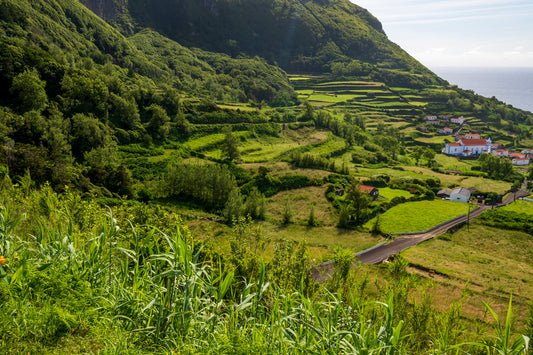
(459, 33)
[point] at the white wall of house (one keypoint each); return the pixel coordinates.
(459, 197)
(520, 161)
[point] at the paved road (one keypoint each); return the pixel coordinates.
(399, 244)
(375, 256)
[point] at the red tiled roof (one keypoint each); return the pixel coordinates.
(366, 188)
(474, 142)
(454, 144)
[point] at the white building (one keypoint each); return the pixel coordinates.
(520, 161)
(467, 147)
(458, 120)
(500, 152)
(445, 130)
(460, 194)
(472, 136)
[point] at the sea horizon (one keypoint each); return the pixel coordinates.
(512, 85)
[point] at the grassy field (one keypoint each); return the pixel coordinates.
(490, 262)
(520, 206)
(451, 163)
(434, 140)
(322, 240)
(479, 183)
(417, 216)
(389, 194)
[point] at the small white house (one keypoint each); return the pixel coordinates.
(472, 136)
(460, 194)
(430, 118)
(500, 152)
(528, 152)
(445, 130)
(520, 161)
(458, 120)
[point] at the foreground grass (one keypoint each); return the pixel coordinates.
(76, 277)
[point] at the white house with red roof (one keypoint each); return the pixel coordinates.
(467, 147)
(430, 118)
(520, 161)
(500, 153)
(528, 152)
(445, 130)
(458, 120)
(516, 155)
(472, 136)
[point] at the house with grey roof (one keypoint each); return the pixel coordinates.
(460, 194)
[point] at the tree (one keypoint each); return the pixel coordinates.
(311, 220)
(496, 167)
(88, 133)
(255, 205)
(287, 212)
(234, 206)
(29, 91)
(309, 112)
(417, 153)
(357, 203)
(429, 155)
(159, 124)
(229, 147)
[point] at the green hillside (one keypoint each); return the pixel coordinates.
(301, 36)
(159, 197)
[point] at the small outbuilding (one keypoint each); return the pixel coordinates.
(444, 194)
(460, 194)
(371, 190)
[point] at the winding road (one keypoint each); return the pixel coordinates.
(379, 254)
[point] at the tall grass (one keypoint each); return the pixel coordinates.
(127, 287)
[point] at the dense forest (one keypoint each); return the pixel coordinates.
(166, 186)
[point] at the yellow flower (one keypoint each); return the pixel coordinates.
(2, 260)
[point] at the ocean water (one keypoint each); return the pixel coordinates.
(514, 86)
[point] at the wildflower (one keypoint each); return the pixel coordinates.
(2, 260)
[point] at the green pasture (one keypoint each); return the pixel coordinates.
(417, 216)
(305, 92)
(434, 140)
(451, 180)
(333, 144)
(242, 107)
(417, 103)
(489, 261)
(206, 141)
(451, 163)
(520, 206)
(356, 82)
(389, 194)
(331, 97)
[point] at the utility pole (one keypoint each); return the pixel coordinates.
(468, 217)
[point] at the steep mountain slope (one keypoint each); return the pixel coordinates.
(301, 36)
(72, 86)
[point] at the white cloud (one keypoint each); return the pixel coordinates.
(459, 32)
